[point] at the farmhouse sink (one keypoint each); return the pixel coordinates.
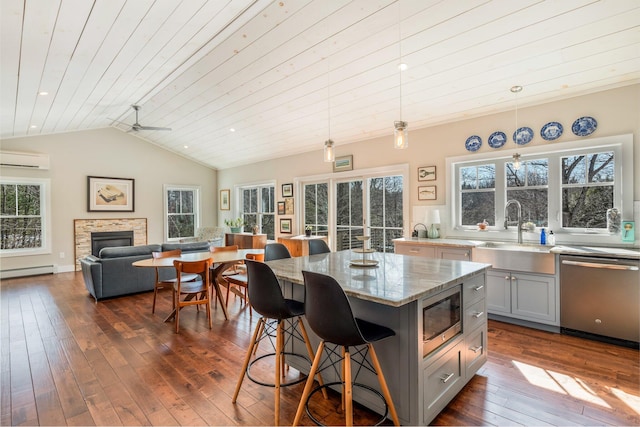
(516, 257)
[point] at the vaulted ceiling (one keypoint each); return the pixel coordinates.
(286, 74)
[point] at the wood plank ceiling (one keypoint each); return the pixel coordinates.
(282, 73)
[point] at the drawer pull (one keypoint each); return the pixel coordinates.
(478, 314)
(478, 288)
(476, 349)
(447, 377)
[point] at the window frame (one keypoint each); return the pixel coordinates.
(621, 145)
(258, 186)
(45, 215)
(196, 189)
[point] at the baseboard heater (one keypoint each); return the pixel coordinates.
(27, 271)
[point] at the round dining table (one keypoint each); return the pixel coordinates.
(221, 261)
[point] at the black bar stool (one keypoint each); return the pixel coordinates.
(266, 298)
(273, 251)
(329, 314)
(318, 246)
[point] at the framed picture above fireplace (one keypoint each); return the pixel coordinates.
(110, 194)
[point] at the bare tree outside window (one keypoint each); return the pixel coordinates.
(21, 220)
(478, 196)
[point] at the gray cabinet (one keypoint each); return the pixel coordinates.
(523, 296)
(433, 250)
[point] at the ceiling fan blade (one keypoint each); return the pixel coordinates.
(151, 128)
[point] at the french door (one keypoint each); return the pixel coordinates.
(369, 206)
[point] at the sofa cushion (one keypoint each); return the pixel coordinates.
(186, 247)
(127, 251)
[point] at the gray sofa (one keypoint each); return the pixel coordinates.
(112, 274)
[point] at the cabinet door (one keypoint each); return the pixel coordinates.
(415, 250)
(498, 291)
(460, 254)
(533, 297)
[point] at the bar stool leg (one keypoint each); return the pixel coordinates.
(342, 370)
(307, 343)
(252, 346)
(383, 385)
(309, 383)
(279, 368)
(348, 398)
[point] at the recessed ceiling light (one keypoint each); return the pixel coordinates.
(186, 146)
(403, 67)
(516, 89)
(43, 93)
(232, 130)
(33, 126)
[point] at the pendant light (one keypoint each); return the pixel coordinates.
(329, 152)
(516, 157)
(400, 131)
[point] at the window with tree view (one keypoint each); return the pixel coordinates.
(478, 195)
(182, 212)
(316, 208)
(528, 185)
(22, 215)
(258, 208)
(587, 189)
(385, 207)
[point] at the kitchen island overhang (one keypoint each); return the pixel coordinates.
(394, 294)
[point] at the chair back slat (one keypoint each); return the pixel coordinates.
(176, 253)
(230, 248)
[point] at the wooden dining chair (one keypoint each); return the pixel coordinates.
(161, 284)
(196, 292)
(239, 280)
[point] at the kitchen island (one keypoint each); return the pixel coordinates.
(394, 294)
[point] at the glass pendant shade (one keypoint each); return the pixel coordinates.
(329, 153)
(516, 161)
(400, 135)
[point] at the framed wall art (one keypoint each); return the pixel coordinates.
(110, 194)
(343, 163)
(288, 206)
(285, 225)
(281, 208)
(427, 173)
(225, 199)
(427, 192)
(287, 190)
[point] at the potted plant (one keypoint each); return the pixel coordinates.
(307, 230)
(234, 224)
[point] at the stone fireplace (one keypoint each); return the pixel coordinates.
(84, 227)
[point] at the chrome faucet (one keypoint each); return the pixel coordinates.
(506, 217)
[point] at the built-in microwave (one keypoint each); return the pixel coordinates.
(441, 319)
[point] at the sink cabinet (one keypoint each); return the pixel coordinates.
(447, 252)
(433, 250)
(525, 296)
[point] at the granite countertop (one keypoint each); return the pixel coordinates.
(456, 243)
(397, 280)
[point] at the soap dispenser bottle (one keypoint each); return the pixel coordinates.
(551, 238)
(543, 237)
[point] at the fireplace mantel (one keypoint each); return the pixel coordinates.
(84, 227)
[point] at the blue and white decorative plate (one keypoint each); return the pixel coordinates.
(497, 139)
(523, 135)
(584, 126)
(551, 131)
(473, 143)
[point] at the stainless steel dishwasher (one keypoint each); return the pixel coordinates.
(600, 298)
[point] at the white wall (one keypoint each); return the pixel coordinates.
(617, 112)
(109, 153)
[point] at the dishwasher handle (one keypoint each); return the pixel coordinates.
(599, 265)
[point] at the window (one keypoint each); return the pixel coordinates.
(258, 208)
(316, 208)
(567, 187)
(529, 186)
(24, 216)
(477, 190)
(182, 204)
(587, 189)
(368, 202)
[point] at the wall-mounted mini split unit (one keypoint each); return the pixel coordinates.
(14, 159)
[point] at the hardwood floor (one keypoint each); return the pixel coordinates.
(68, 361)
